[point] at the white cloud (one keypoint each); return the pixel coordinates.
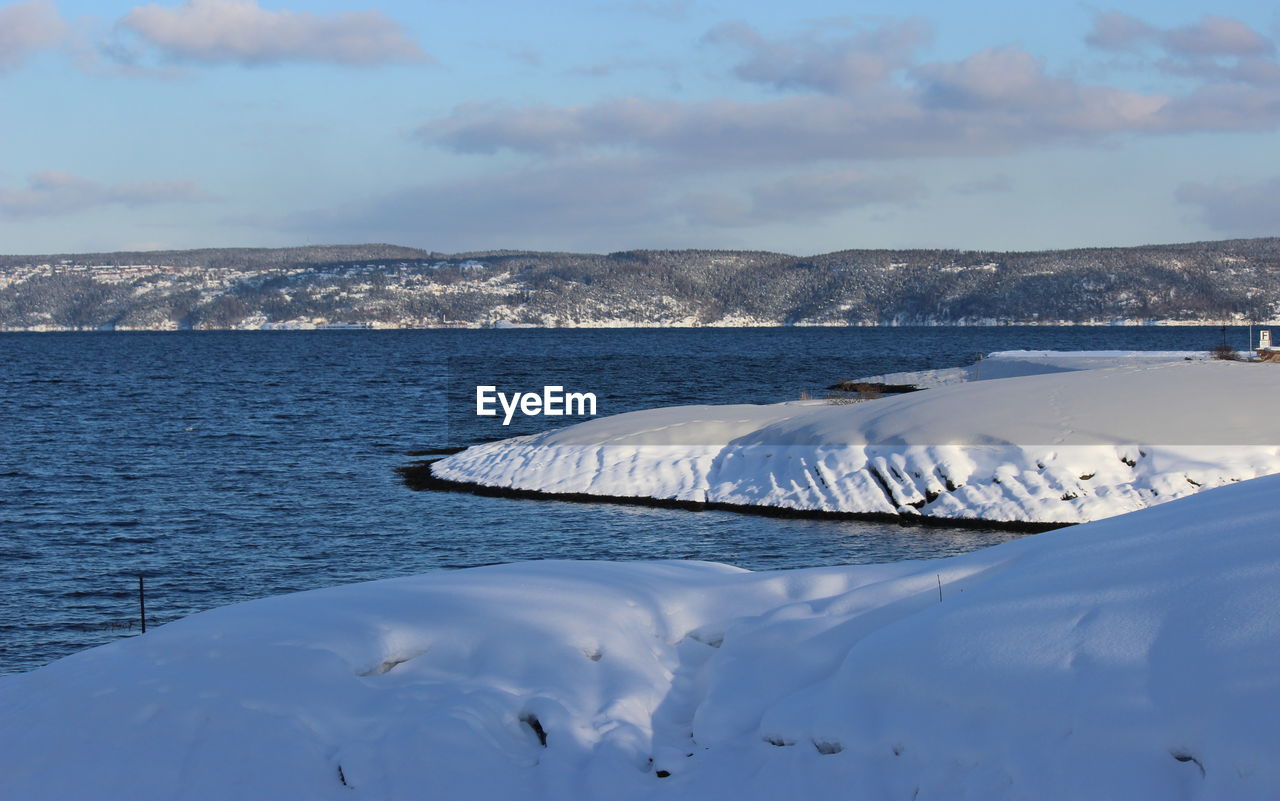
(805, 197)
(26, 28)
(599, 200)
(1217, 36)
(1245, 209)
(52, 192)
(1211, 36)
(1215, 49)
(621, 166)
(242, 32)
(866, 96)
(845, 65)
(1113, 30)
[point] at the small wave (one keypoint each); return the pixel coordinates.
(101, 593)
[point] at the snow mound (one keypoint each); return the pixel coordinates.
(1014, 363)
(1061, 447)
(1137, 657)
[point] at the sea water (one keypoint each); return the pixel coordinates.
(225, 466)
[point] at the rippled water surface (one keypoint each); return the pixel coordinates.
(226, 466)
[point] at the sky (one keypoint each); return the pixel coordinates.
(803, 127)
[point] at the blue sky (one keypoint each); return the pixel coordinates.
(802, 127)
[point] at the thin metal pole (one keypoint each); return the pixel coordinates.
(142, 604)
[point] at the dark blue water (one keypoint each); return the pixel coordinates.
(226, 466)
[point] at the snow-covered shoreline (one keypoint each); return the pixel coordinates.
(1050, 445)
(1136, 657)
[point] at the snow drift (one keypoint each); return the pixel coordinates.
(1014, 363)
(1062, 447)
(1137, 657)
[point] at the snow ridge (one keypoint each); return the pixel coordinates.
(1066, 446)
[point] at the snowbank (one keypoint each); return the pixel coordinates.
(1014, 363)
(1061, 447)
(1137, 657)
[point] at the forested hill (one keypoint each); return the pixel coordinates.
(391, 286)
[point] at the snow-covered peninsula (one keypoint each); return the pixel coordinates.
(1031, 438)
(1136, 657)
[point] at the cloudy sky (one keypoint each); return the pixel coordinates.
(802, 126)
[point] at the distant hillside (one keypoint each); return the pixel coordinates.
(398, 287)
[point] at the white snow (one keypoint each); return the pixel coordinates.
(1014, 363)
(1134, 658)
(1059, 447)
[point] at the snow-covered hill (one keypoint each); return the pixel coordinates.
(395, 287)
(1064, 446)
(1134, 658)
